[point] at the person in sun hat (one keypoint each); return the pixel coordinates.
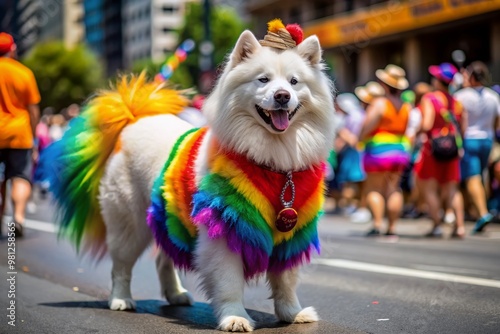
(368, 92)
(349, 171)
(482, 105)
(365, 94)
(19, 115)
(386, 148)
(438, 174)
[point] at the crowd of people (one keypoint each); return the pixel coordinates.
(421, 151)
(398, 151)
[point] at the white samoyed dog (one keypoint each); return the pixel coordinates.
(273, 106)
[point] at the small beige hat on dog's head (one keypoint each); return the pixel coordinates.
(282, 37)
(393, 76)
(368, 92)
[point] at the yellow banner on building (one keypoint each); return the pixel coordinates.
(393, 17)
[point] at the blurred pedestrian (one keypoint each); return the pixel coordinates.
(43, 138)
(19, 115)
(349, 171)
(72, 111)
(366, 94)
(438, 167)
(386, 149)
(482, 105)
(415, 204)
(57, 127)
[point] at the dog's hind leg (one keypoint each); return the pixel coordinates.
(222, 279)
(127, 234)
(125, 246)
(170, 282)
(286, 303)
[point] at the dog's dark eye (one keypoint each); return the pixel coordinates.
(264, 80)
(293, 81)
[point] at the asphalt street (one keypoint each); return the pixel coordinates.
(405, 284)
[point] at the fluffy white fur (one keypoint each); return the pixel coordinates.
(235, 124)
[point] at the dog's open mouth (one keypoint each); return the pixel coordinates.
(279, 119)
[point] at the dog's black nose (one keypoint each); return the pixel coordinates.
(282, 96)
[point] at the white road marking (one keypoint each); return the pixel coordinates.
(452, 270)
(390, 270)
(37, 225)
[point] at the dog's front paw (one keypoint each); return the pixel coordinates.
(183, 298)
(236, 324)
(306, 315)
(118, 304)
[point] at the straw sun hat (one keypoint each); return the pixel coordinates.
(368, 92)
(393, 76)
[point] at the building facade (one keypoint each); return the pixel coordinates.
(27, 24)
(73, 27)
(103, 31)
(8, 17)
(149, 28)
(360, 36)
(34, 21)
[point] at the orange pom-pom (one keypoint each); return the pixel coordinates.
(275, 25)
(296, 32)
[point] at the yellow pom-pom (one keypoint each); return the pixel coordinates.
(275, 25)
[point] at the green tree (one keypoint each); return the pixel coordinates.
(64, 76)
(226, 26)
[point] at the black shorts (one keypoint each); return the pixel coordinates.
(17, 163)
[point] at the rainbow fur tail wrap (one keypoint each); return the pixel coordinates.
(237, 200)
(82, 153)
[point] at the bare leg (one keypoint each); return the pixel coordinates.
(477, 194)
(286, 303)
(458, 208)
(20, 194)
(3, 197)
(430, 189)
(170, 282)
(375, 189)
(394, 200)
(348, 195)
(223, 281)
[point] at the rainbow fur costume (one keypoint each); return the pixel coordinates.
(237, 200)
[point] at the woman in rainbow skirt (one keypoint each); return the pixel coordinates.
(386, 149)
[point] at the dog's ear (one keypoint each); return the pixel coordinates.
(246, 45)
(310, 50)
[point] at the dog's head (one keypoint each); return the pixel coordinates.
(275, 106)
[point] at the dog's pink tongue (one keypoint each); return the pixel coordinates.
(279, 119)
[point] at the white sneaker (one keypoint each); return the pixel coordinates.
(361, 216)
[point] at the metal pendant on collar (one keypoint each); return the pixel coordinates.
(287, 217)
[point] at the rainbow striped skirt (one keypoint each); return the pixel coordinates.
(386, 152)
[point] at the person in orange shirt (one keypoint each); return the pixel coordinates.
(386, 149)
(19, 115)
